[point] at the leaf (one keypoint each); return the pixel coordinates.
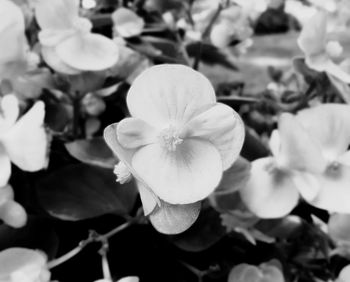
(92, 151)
(211, 55)
(309, 75)
(203, 234)
(253, 148)
(78, 192)
(37, 234)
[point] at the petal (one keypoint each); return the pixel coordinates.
(148, 199)
(13, 214)
(342, 87)
(307, 185)
(10, 111)
(15, 260)
(134, 132)
(312, 38)
(184, 176)
(127, 23)
(5, 167)
(275, 143)
(298, 151)
(336, 71)
(223, 127)
(129, 279)
(88, 52)
(174, 219)
(56, 14)
(26, 143)
(339, 227)
(54, 61)
(166, 94)
(52, 37)
(344, 275)
(334, 119)
(270, 192)
(334, 194)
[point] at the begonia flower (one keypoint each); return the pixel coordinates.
(321, 53)
(68, 46)
(23, 141)
(307, 159)
(344, 275)
(12, 213)
(23, 265)
(127, 23)
(264, 272)
(178, 141)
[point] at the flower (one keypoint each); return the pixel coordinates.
(264, 272)
(124, 279)
(68, 46)
(178, 141)
(320, 52)
(307, 159)
(23, 141)
(23, 265)
(127, 23)
(11, 212)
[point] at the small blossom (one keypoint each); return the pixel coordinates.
(23, 265)
(30, 155)
(127, 23)
(320, 52)
(177, 142)
(122, 172)
(68, 46)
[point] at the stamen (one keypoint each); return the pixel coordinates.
(122, 172)
(169, 138)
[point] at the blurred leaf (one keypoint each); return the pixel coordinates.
(165, 5)
(236, 101)
(210, 55)
(309, 75)
(203, 234)
(281, 228)
(78, 192)
(253, 148)
(92, 151)
(37, 234)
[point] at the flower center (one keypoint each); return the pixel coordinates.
(333, 169)
(169, 138)
(122, 172)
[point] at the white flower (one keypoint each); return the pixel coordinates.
(23, 265)
(127, 23)
(122, 172)
(24, 141)
(319, 51)
(68, 45)
(310, 157)
(177, 142)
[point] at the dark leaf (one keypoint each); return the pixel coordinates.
(78, 192)
(92, 151)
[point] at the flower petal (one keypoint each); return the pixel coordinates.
(148, 199)
(174, 219)
(14, 261)
(26, 143)
(88, 52)
(344, 275)
(334, 194)
(169, 93)
(10, 111)
(133, 133)
(127, 23)
(184, 176)
(54, 61)
(334, 119)
(5, 167)
(223, 127)
(335, 70)
(13, 214)
(270, 192)
(56, 14)
(298, 149)
(312, 38)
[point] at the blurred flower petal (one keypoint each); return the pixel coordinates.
(9, 110)
(223, 127)
(148, 199)
(169, 94)
(31, 154)
(127, 23)
(270, 192)
(298, 150)
(323, 123)
(54, 61)
(129, 279)
(344, 275)
(20, 264)
(5, 167)
(88, 51)
(184, 176)
(56, 14)
(134, 132)
(174, 219)
(13, 214)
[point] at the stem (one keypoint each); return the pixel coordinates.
(105, 266)
(93, 237)
(76, 116)
(182, 48)
(198, 56)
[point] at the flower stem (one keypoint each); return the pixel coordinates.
(93, 237)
